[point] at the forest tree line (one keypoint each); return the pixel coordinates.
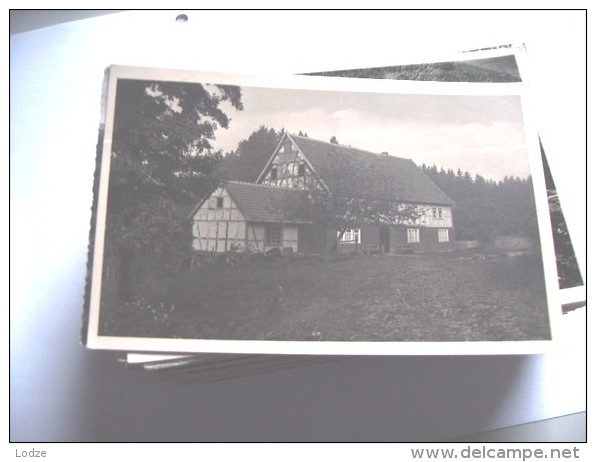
(486, 208)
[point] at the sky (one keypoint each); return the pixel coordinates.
(481, 134)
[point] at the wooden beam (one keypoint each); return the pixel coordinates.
(254, 233)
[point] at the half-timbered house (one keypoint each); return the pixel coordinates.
(274, 211)
(245, 216)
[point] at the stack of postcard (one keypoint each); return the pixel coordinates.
(247, 223)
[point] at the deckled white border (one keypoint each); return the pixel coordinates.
(327, 347)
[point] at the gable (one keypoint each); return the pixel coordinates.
(219, 205)
(288, 168)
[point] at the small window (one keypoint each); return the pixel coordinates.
(413, 235)
(301, 170)
(219, 203)
(443, 235)
(273, 235)
(273, 173)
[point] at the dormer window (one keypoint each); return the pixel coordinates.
(219, 203)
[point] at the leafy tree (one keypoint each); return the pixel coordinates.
(333, 140)
(251, 155)
(354, 194)
(162, 160)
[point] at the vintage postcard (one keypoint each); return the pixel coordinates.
(319, 215)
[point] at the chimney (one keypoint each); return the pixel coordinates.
(385, 153)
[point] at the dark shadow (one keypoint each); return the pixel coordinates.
(354, 399)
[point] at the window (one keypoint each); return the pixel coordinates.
(350, 235)
(437, 212)
(219, 203)
(443, 235)
(273, 235)
(413, 235)
(273, 173)
(301, 170)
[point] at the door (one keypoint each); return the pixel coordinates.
(306, 239)
(384, 239)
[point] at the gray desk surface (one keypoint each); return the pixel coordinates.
(568, 428)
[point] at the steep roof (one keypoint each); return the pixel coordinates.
(269, 204)
(390, 177)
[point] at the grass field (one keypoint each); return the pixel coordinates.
(446, 297)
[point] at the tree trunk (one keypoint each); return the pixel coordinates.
(336, 239)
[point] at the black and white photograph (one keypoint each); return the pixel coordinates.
(318, 215)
